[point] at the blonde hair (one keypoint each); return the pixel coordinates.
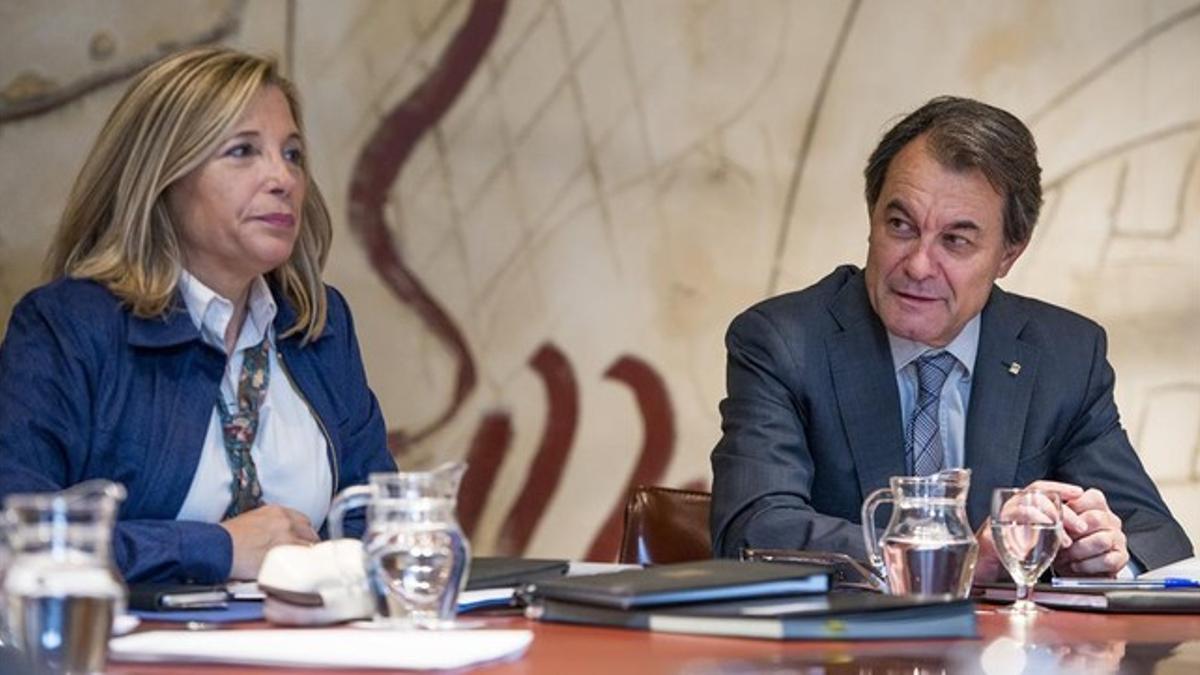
(115, 228)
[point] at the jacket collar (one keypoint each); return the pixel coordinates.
(286, 315)
(171, 329)
(864, 383)
(175, 327)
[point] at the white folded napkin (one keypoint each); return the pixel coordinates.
(323, 647)
(124, 623)
(315, 585)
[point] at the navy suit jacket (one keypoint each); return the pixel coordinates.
(812, 421)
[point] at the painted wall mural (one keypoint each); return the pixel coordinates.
(382, 159)
(547, 211)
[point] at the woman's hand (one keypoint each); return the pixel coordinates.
(259, 530)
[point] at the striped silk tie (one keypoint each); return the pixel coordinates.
(923, 447)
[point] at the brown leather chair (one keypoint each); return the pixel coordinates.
(665, 525)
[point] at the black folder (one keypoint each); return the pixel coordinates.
(503, 572)
(832, 616)
(1110, 600)
(704, 581)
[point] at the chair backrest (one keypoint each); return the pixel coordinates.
(665, 525)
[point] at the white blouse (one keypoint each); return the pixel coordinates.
(290, 448)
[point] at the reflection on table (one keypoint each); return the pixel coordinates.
(1057, 641)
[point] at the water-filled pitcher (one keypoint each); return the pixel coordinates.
(61, 590)
(415, 553)
(928, 547)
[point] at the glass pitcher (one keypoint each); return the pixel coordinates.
(928, 547)
(61, 591)
(415, 553)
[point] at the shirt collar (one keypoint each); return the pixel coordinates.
(211, 313)
(964, 347)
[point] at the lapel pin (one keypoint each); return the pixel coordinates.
(1014, 368)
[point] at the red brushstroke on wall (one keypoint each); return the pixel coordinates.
(383, 156)
(489, 447)
(376, 170)
(545, 473)
(658, 442)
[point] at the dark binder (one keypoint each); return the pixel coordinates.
(704, 581)
(157, 597)
(845, 573)
(1116, 601)
(502, 572)
(833, 616)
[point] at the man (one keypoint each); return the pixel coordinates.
(920, 363)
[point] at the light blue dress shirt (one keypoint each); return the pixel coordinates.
(956, 391)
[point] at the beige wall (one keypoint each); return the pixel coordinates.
(620, 178)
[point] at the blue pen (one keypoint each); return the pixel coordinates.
(1124, 584)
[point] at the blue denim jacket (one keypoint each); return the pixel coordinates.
(87, 390)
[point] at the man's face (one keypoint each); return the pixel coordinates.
(936, 246)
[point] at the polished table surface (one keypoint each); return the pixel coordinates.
(1056, 641)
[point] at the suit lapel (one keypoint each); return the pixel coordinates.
(999, 401)
(864, 382)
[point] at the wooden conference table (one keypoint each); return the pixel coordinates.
(1056, 641)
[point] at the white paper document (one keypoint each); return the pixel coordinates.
(1188, 568)
(324, 647)
(485, 598)
(244, 590)
(583, 568)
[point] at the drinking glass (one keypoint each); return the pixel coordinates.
(1026, 527)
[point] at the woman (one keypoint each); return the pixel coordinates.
(187, 347)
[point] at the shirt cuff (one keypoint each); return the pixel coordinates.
(1131, 570)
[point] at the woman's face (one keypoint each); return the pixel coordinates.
(238, 213)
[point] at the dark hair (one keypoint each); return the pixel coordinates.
(965, 134)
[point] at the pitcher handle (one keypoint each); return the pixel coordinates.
(350, 498)
(872, 502)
